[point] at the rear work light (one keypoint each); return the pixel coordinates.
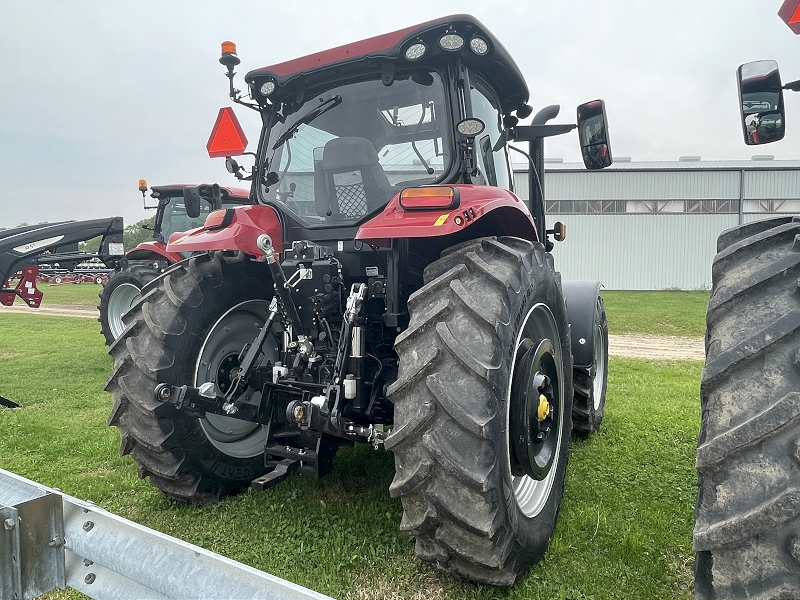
(219, 219)
(429, 198)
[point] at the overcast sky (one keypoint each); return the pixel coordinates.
(96, 95)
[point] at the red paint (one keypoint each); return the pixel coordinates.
(477, 201)
(248, 223)
(790, 14)
(381, 45)
(227, 136)
(153, 251)
(25, 289)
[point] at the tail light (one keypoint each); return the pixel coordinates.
(429, 198)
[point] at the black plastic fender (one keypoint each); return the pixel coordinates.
(581, 299)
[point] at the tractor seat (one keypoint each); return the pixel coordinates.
(349, 182)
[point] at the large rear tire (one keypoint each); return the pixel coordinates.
(189, 328)
(747, 518)
(488, 334)
(120, 292)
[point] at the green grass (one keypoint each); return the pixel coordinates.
(654, 313)
(657, 313)
(69, 293)
(624, 529)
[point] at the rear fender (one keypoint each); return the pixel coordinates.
(246, 224)
(151, 251)
(499, 209)
(581, 299)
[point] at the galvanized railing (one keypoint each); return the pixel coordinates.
(49, 540)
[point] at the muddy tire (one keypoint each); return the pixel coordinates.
(120, 292)
(485, 328)
(747, 517)
(189, 328)
(589, 384)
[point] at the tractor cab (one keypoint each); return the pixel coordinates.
(348, 129)
(183, 207)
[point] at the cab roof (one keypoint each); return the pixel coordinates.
(386, 52)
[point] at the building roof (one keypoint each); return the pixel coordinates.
(758, 164)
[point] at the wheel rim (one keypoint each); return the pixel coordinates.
(124, 296)
(599, 366)
(217, 361)
(537, 368)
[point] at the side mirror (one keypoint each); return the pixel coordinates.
(761, 102)
(593, 135)
(191, 200)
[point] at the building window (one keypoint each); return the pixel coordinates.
(649, 207)
(711, 206)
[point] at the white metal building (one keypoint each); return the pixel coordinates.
(654, 225)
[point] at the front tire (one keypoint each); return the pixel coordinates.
(121, 291)
(189, 328)
(488, 336)
(747, 517)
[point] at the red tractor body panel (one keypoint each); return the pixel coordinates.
(152, 251)
(248, 222)
(380, 45)
(476, 202)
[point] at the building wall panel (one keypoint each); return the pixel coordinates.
(771, 184)
(645, 185)
(640, 252)
(655, 251)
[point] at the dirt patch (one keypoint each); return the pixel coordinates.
(54, 310)
(656, 347)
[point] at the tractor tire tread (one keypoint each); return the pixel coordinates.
(747, 516)
(448, 474)
(168, 445)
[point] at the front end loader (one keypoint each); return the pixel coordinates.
(24, 249)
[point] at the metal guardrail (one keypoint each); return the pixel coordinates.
(50, 540)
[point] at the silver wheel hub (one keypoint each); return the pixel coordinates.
(218, 363)
(539, 327)
(122, 299)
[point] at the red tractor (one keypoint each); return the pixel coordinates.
(389, 288)
(747, 517)
(178, 208)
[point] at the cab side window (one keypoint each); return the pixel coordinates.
(493, 163)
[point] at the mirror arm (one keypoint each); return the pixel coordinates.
(793, 85)
(527, 133)
(236, 95)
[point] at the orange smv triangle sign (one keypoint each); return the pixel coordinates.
(227, 137)
(790, 13)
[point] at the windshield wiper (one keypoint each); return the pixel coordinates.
(319, 110)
